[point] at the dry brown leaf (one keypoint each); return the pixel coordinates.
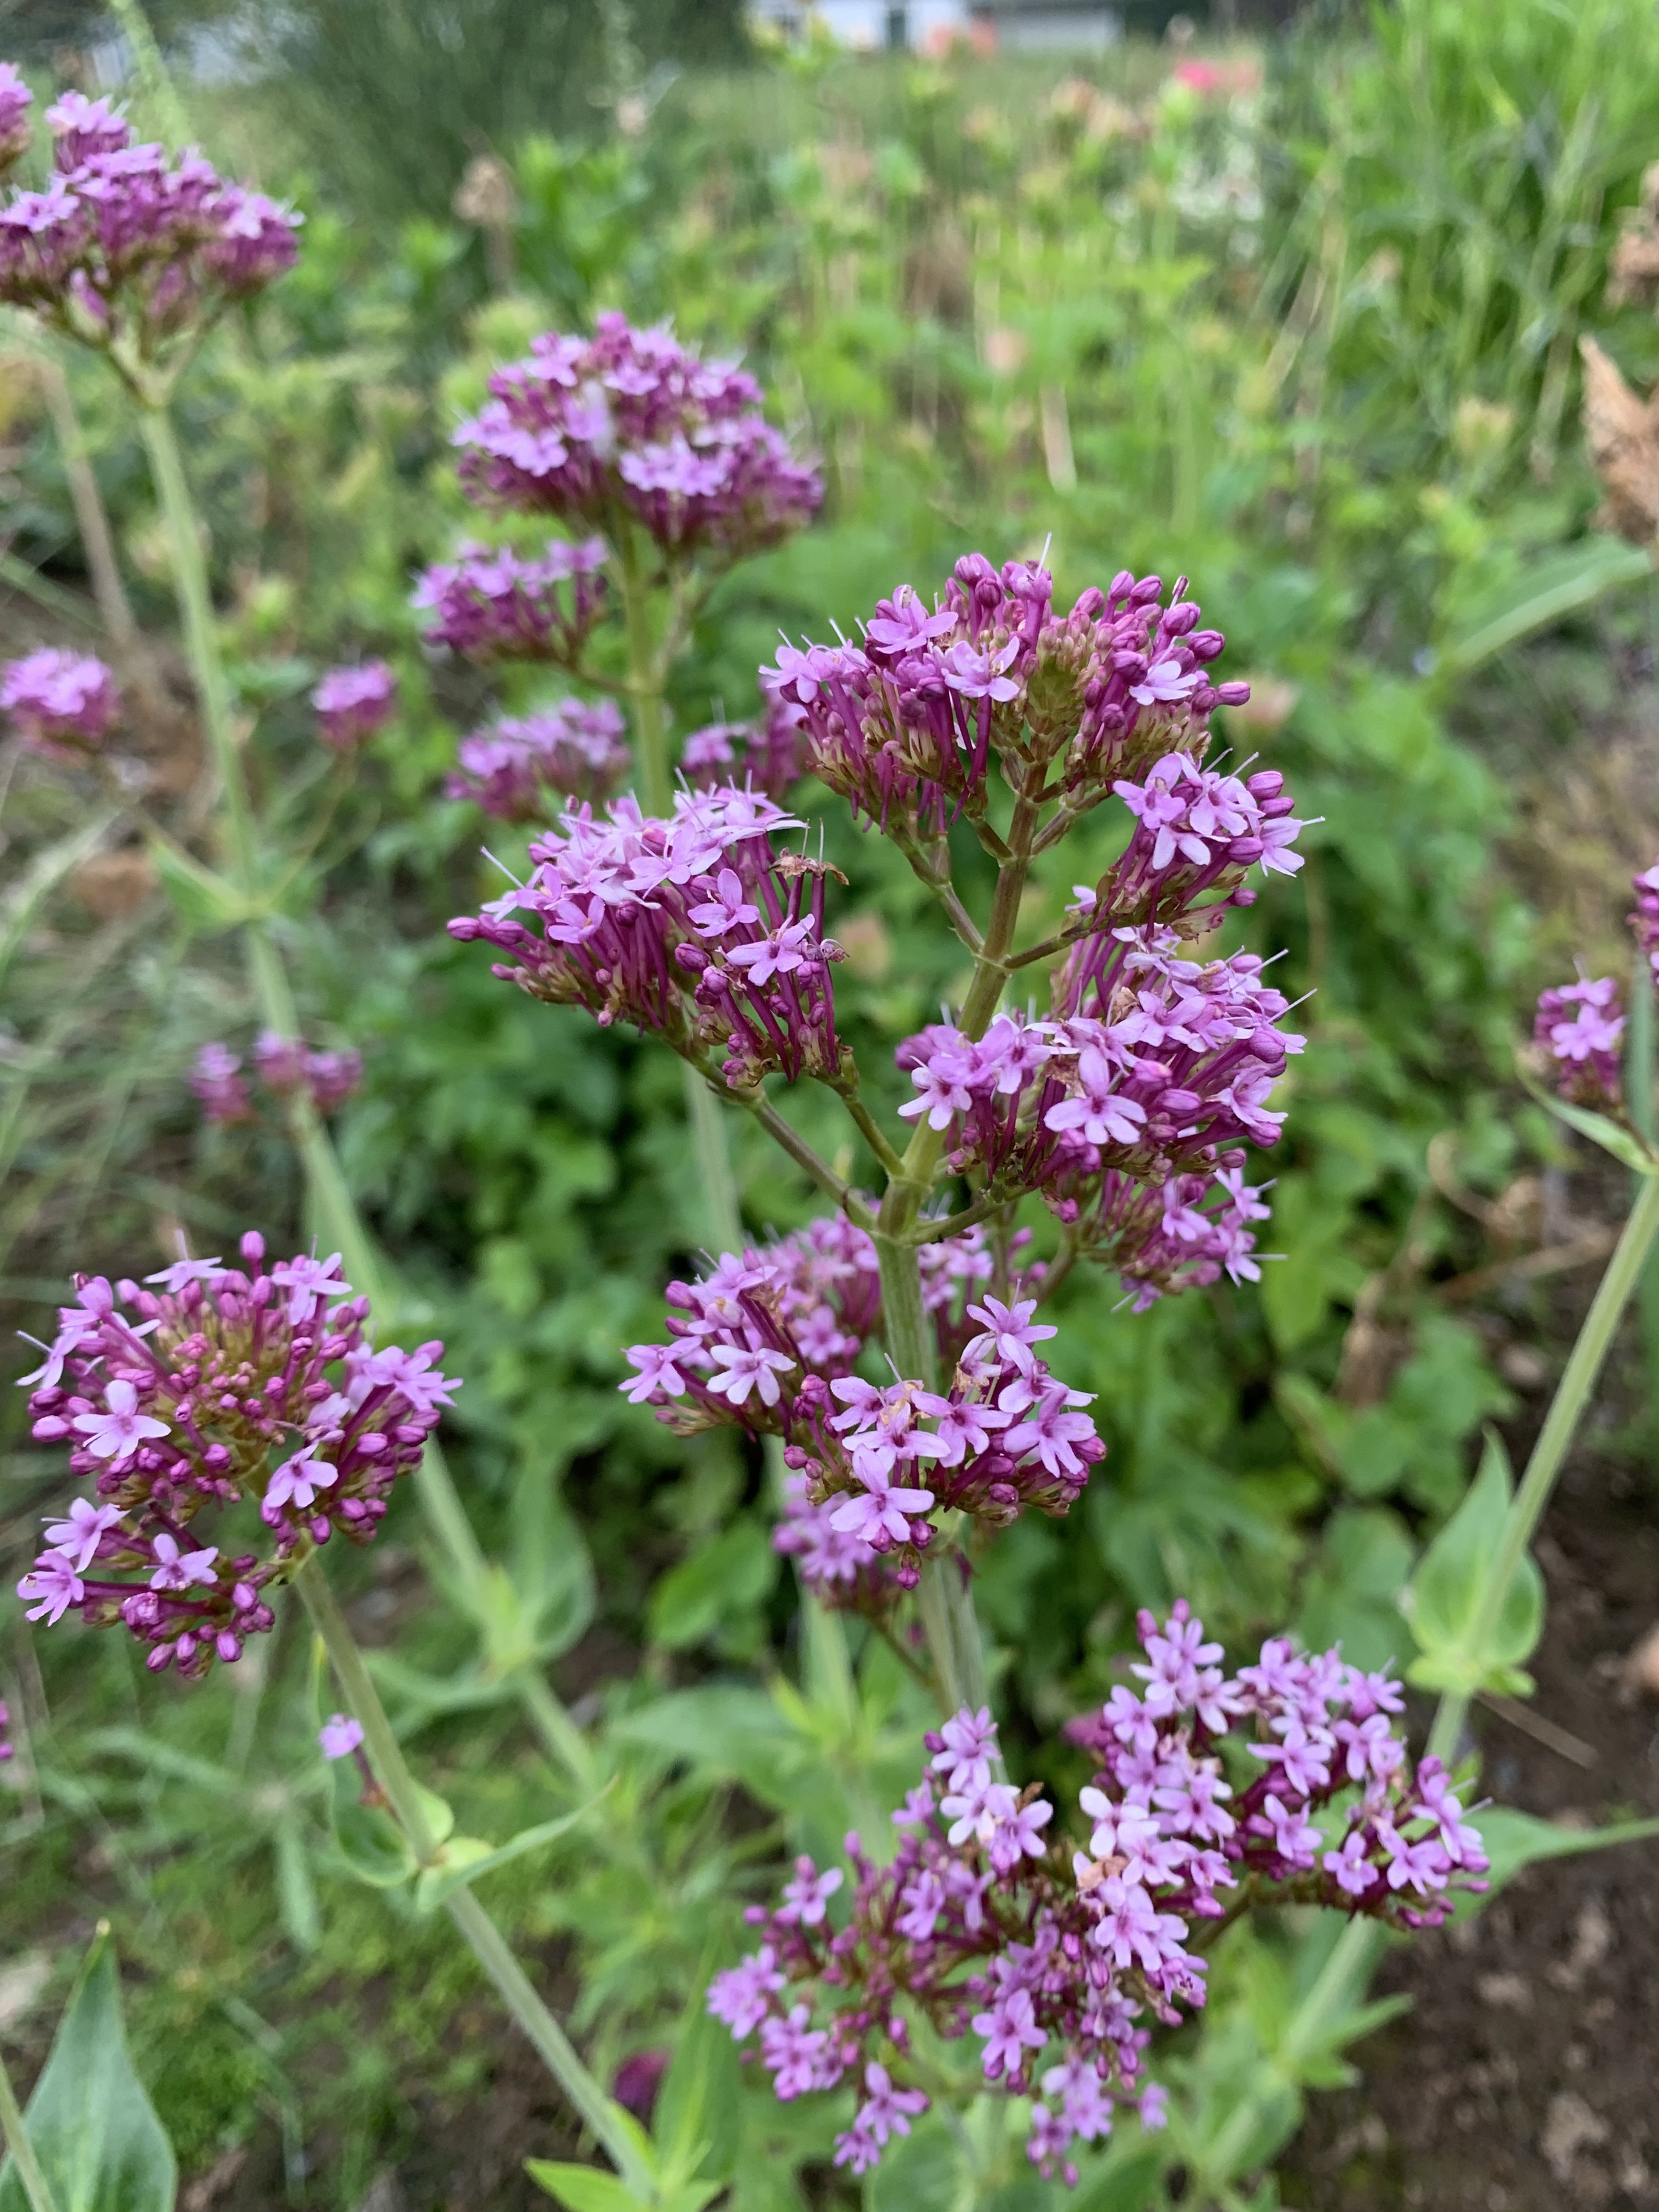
(1622, 433)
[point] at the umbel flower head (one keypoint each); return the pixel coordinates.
(1284, 1784)
(519, 768)
(286, 1066)
(905, 724)
(16, 101)
(767, 1342)
(491, 604)
(61, 704)
(697, 930)
(129, 251)
(353, 703)
(217, 1405)
(1581, 1027)
(631, 428)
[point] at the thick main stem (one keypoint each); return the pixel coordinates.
(948, 1618)
(1566, 1409)
(486, 1941)
(330, 1197)
(16, 2137)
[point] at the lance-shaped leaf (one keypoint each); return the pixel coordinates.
(1447, 1595)
(95, 2130)
(465, 1857)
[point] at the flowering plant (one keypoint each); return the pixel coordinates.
(220, 1385)
(1124, 1110)
(983, 1923)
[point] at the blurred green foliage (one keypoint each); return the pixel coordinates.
(1312, 345)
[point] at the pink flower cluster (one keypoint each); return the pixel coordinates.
(490, 603)
(353, 703)
(983, 1925)
(129, 251)
(696, 929)
(766, 1342)
(1196, 832)
(516, 766)
(16, 131)
(769, 756)
(60, 703)
(219, 1386)
(7, 1746)
(284, 1064)
(1581, 1027)
(631, 426)
(904, 724)
(1644, 916)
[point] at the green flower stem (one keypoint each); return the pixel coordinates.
(1641, 1067)
(1360, 1944)
(1572, 1395)
(1344, 1975)
(330, 1197)
(488, 1947)
(948, 1617)
(14, 2136)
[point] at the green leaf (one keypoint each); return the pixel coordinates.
(1513, 1840)
(369, 1840)
(1127, 2184)
(1551, 588)
(698, 2121)
(466, 1857)
(1445, 1597)
(1625, 1147)
(200, 896)
(923, 2171)
(581, 2188)
(296, 1893)
(94, 2128)
(724, 1729)
(731, 1574)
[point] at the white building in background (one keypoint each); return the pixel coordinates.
(1056, 25)
(869, 25)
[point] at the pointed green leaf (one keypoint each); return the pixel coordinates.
(465, 1857)
(1548, 589)
(369, 1840)
(581, 2188)
(926, 2171)
(1625, 1146)
(199, 894)
(1514, 1840)
(696, 2124)
(94, 2128)
(1444, 1599)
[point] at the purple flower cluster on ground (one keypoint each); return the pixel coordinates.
(7, 1746)
(630, 426)
(697, 930)
(286, 1066)
(983, 1925)
(217, 1386)
(491, 604)
(1581, 1027)
(61, 704)
(517, 767)
(353, 703)
(127, 249)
